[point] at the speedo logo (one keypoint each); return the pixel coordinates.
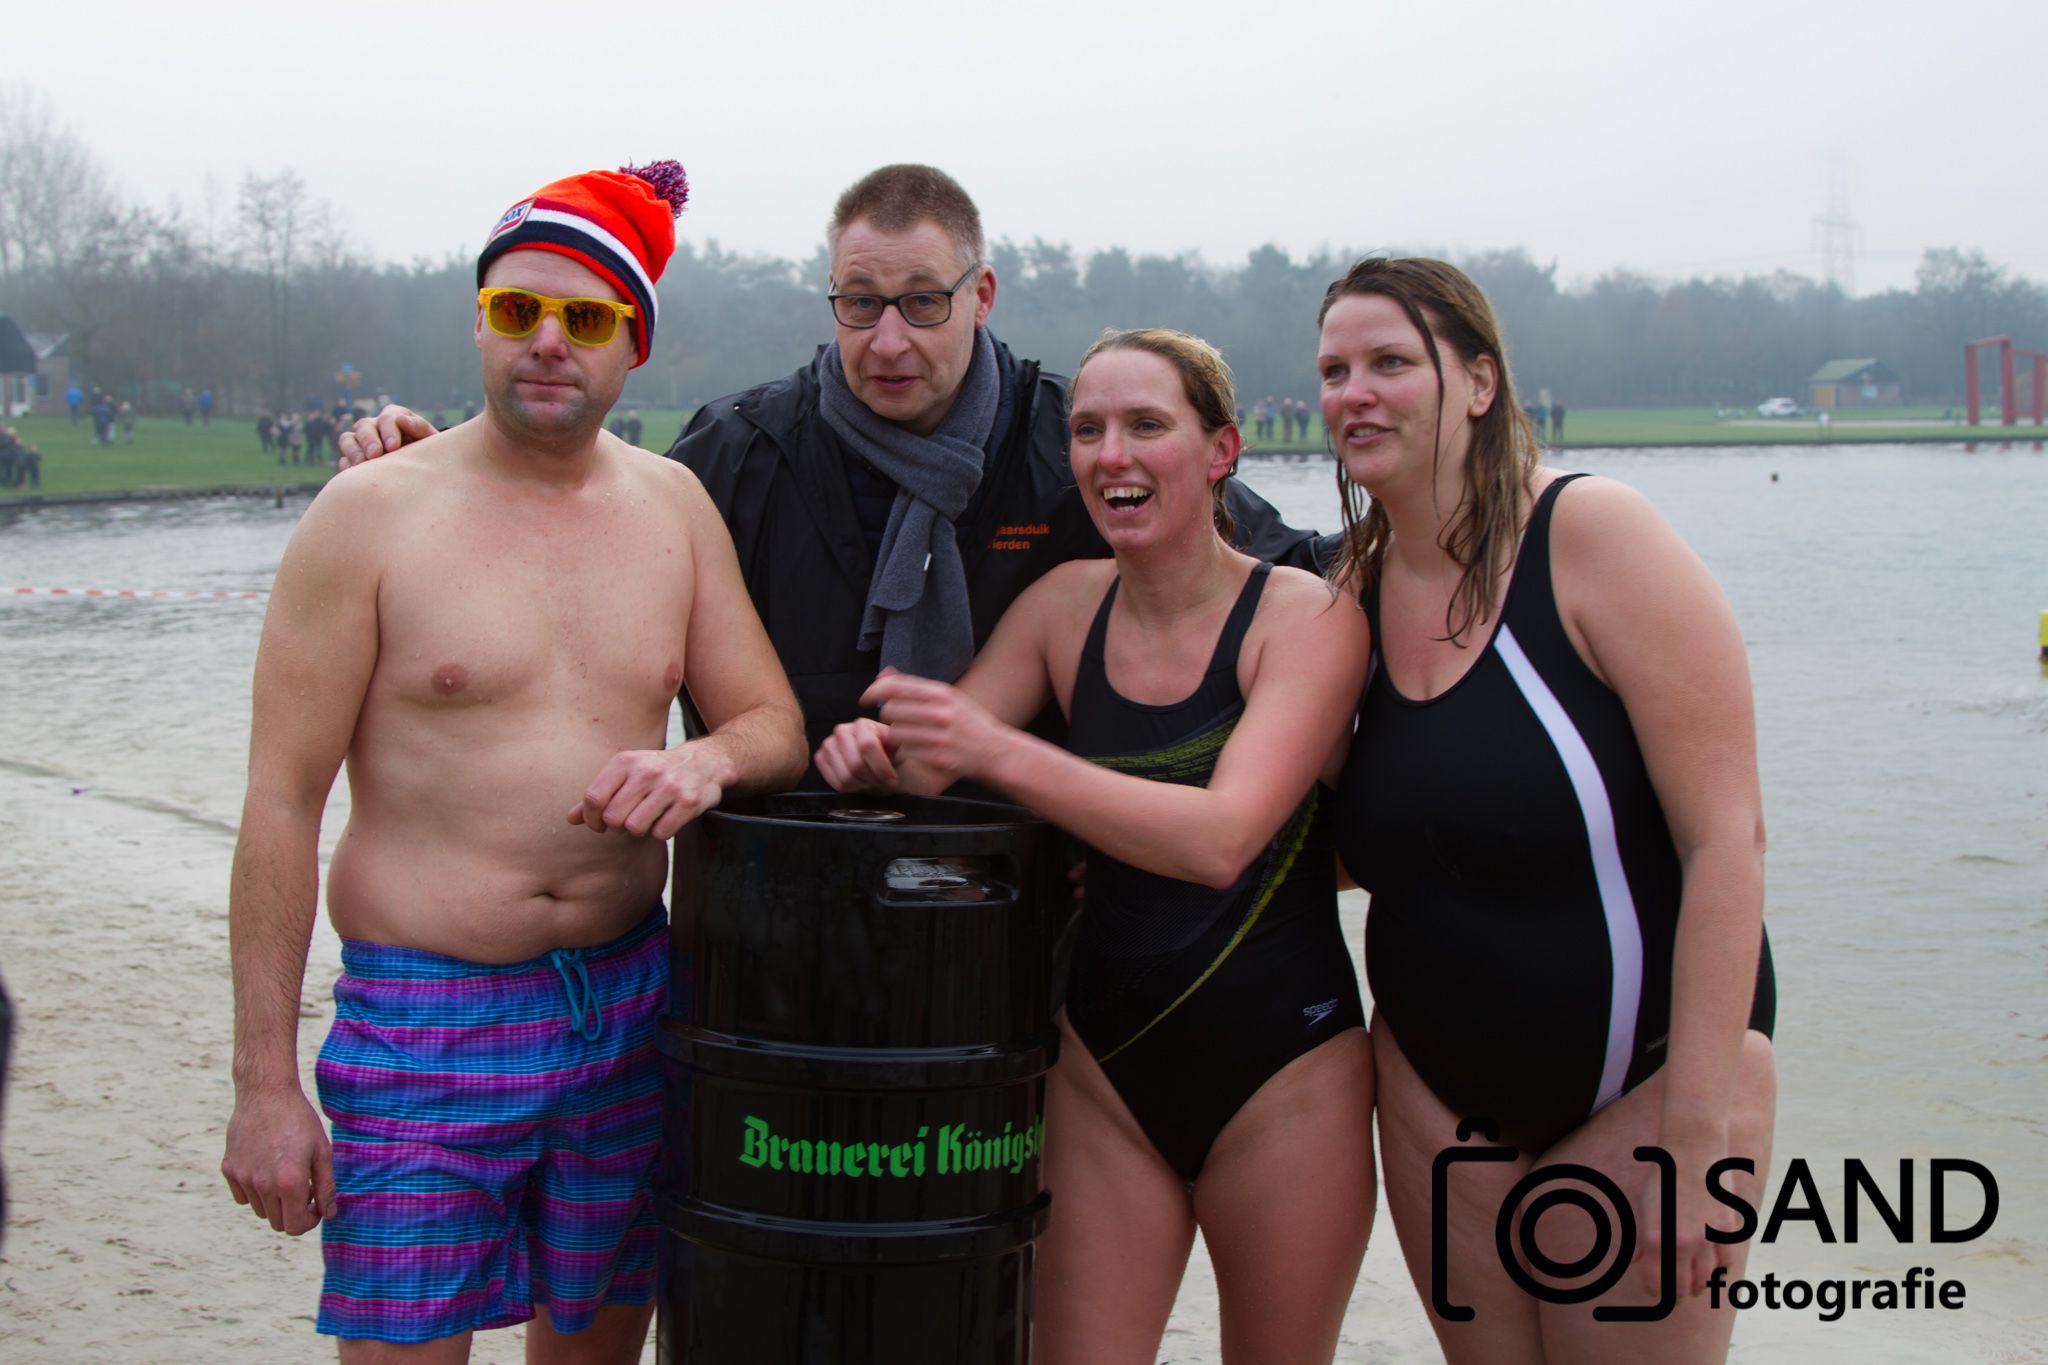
(1315, 1014)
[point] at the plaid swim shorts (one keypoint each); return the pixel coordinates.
(495, 1130)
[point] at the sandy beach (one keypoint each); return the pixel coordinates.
(123, 1244)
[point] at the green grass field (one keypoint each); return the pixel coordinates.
(167, 454)
(1621, 427)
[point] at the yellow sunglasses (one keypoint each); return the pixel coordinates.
(517, 313)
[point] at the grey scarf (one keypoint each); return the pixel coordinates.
(917, 611)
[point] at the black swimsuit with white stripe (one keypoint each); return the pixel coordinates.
(1525, 889)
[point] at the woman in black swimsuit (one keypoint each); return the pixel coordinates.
(1214, 1067)
(1552, 796)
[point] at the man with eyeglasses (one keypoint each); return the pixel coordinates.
(891, 498)
(470, 626)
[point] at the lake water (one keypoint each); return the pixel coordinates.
(1890, 598)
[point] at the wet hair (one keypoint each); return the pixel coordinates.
(1204, 379)
(897, 198)
(1448, 309)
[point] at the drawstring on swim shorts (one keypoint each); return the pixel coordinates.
(584, 1015)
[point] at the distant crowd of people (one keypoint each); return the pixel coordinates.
(21, 464)
(303, 437)
(1536, 412)
(106, 414)
(1288, 414)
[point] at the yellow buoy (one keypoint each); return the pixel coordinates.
(2044, 637)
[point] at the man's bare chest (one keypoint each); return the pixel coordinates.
(571, 621)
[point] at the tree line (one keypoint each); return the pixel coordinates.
(263, 300)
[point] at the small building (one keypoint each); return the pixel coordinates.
(38, 386)
(53, 371)
(17, 370)
(1853, 384)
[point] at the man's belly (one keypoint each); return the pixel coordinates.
(476, 858)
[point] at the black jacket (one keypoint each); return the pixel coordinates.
(775, 470)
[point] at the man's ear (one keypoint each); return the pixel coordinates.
(984, 295)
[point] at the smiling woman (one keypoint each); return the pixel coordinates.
(1213, 1056)
(1205, 383)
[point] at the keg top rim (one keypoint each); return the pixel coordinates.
(873, 812)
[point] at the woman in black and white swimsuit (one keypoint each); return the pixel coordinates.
(1552, 796)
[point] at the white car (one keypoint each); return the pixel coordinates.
(1777, 407)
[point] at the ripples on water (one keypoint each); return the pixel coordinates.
(148, 698)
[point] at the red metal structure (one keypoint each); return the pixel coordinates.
(2038, 390)
(2007, 414)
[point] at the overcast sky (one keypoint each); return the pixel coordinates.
(1672, 139)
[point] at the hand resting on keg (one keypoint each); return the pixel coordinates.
(654, 792)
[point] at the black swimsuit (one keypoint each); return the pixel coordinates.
(1525, 889)
(1191, 998)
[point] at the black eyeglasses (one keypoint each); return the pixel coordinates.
(924, 308)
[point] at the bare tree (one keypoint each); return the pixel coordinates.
(274, 222)
(95, 293)
(52, 189)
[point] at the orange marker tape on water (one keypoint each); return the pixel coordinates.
(141, 593)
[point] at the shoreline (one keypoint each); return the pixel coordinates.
(1801, 437)
(159, 493)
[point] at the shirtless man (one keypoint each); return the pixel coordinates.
(490, 630)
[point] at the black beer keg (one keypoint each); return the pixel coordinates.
(856, 1050)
